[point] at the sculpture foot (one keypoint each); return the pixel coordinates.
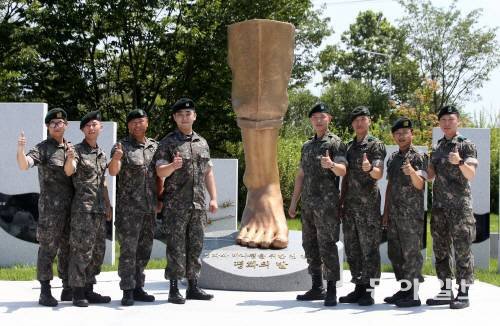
(264, 223)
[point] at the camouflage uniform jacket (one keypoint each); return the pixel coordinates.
(405, 200)
(320, 187)
(185, 188)
(451, 189)
(361, 187)
(137, 178)
(56, 188)
(89, 178)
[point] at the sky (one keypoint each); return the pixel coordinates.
(342, 13)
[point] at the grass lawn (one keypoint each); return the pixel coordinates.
(25, 273)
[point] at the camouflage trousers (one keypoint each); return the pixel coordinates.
(87, 247)
(453, 231)
(362, 240)
(135, 233)
(53, 237)
(320, 233)
(404, 245)
(184, 234)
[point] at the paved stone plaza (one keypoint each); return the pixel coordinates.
(18, 306)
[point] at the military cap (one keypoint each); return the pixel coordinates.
(93, 115)
(402, 122)
(448, 109)
(56, 113)
(359, 111)
(319, 107)
(183, 104)
(135, 114)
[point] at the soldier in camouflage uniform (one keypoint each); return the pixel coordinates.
(322, 161)
(453, 164)
(89, 211)
(132, 161)
(54, 204)
(360, 208)
(183, 158)
(404, 213)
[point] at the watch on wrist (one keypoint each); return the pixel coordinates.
(461, 162)
(371, 169)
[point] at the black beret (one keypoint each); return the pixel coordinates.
(448, 109)
(135, 114)
(56, 113)
(319, 107)
(402, 122)
(93, 115)
(183, 104)
(359, 111)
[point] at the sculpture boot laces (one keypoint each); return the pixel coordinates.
(354, 296)
(141, 295)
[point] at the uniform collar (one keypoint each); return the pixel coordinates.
(453, 140)
(55, 142)
(324, 138)
(411, 149)
(363, 141)
(90, 149)
(135, 143)
(180, 136)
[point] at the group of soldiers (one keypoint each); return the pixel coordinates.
(356, 205)
(74, 204)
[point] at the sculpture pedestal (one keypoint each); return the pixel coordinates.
(228, 266)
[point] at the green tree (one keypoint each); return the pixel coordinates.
(15, 55)
(344, 96)
(296, 120)
(451, 49)
(116, 55)
(374, 51)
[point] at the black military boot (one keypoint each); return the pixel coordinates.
(354, 296)
(442, 298)
(128, 298)
(331, 294)
(46, 298)
(410, 299)
(93, 297)
(79, 297)
(67, 292)
(317, 291)
(396, 296)
(141, 295)
(366, 298)
(174, 296)
(462, 299)
(193, 292)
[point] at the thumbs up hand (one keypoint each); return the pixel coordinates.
(177, 163)
(70, 151)
(118, 154)
(454, 157)
(366, 165)
(326, 161)
(21, 141)
(407, 168)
